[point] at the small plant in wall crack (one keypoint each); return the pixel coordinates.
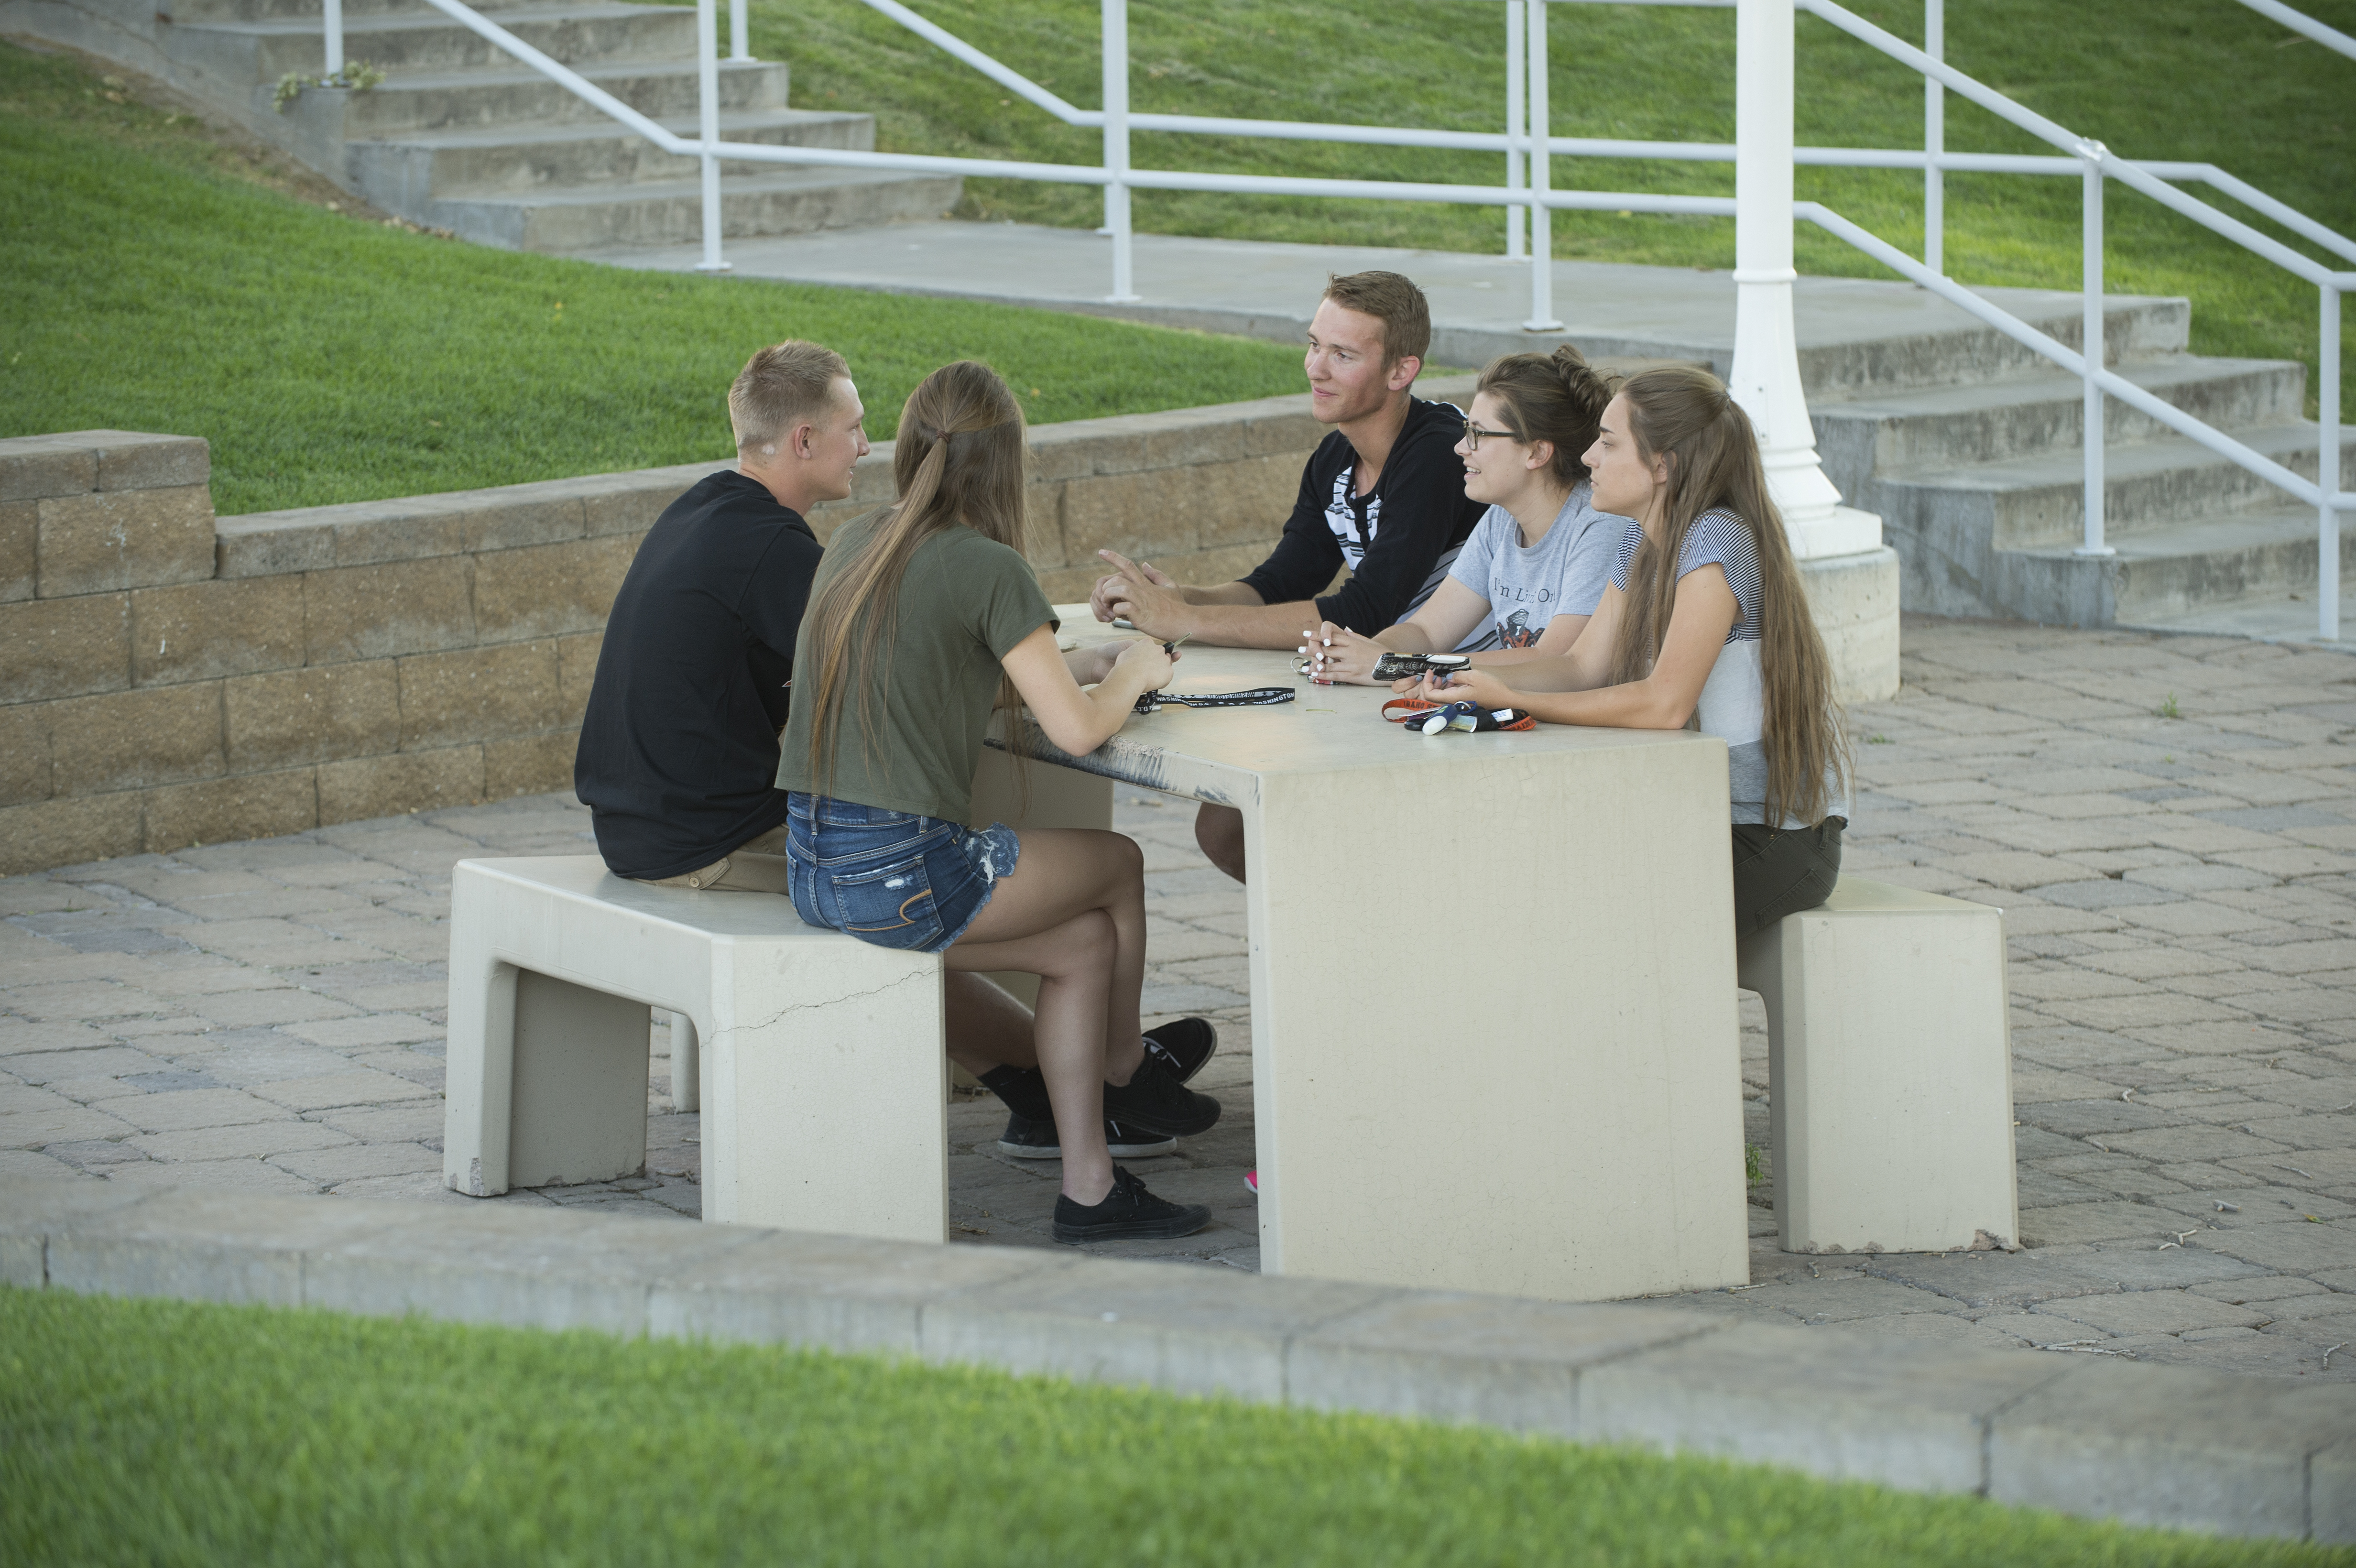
(2167, 709)
(357, 75)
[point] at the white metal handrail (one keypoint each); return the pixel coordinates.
(2099, 164)
(2299, 22)
(1527, 142)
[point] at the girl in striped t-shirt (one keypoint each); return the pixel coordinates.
(1704, 621)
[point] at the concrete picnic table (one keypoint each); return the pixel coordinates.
(1496, 1043)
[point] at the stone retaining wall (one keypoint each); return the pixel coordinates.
(170, 678)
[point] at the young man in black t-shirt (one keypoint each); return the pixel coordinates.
(677, 757)
(1383, 496)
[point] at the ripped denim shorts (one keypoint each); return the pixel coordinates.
(892, 878)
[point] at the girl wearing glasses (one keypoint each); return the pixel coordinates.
(1537, 562)
(1705, 619)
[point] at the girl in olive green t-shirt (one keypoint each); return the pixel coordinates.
(919, 616)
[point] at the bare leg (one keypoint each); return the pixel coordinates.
(987, 1028)
(1219, 832)
(1073, 912)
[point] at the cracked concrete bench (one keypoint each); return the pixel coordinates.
(1889, 1071)
(816, 1058)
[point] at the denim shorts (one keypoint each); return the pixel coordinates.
(892, 878)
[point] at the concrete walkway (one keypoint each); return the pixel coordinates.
(1269, 289)
(2170, 822)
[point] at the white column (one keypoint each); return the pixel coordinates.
(1542, 317)
(1516, 217)
(1766, 372)
(1116, 146)
(2091, 293)
(333, 37)
(1934, 140)
(740, 29)
(707, 94)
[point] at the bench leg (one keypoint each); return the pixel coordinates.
(827, 1088)
(1889, 1078)
(479, 1060)
(686, 1064)
(578, 1110)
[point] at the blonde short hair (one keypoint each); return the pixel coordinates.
(782, 386)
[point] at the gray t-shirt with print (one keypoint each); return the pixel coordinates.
(1564, 573)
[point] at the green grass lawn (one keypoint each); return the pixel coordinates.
(151, 280)
(165, 1433)
(2202, 81)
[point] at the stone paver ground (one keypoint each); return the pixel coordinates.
(2170, 824)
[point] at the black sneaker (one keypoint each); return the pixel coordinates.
(1184, 1045)
(1028, 1138)
(1154, 1099)
(1129, 1213)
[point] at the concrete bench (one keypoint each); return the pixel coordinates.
(1890, 1072)
(816, 1058)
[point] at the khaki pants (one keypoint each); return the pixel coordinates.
(756, 866)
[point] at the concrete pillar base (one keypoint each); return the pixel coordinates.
(1854, 599)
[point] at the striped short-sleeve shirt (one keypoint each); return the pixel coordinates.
(1733, 705)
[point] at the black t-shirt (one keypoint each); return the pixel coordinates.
(1399, 540)
(679, 748)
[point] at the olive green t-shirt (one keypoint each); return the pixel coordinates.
(965, 603)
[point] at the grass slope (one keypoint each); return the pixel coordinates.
(2202, 81)
(163, 1433)
(150, 280)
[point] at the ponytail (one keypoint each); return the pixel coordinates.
(956, 459)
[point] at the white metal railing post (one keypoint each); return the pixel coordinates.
(1116, 147)
(1934, 140)
(1765, 375)
(2326, 473)
(1518, 218)
(707, 92)
(333, 37)
(2092, 346)
(740, 29)
(1542, 317)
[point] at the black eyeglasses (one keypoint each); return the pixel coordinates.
(1473, 432)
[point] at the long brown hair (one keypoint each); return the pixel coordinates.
(1686, 415)
(955, 459)
(1556, 397)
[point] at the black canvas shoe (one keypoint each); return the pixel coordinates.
(1184, 1045)
(1129, 1213)
(1154, 1099)
(1029, 1138)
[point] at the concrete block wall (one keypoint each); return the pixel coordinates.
(168, 678)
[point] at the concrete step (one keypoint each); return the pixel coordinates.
(1871, 358)
(2038, 503)
(2164, 576)
(575, 35)
(670, 212)
(399, 172)
(486, 98)
(1992, 421)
